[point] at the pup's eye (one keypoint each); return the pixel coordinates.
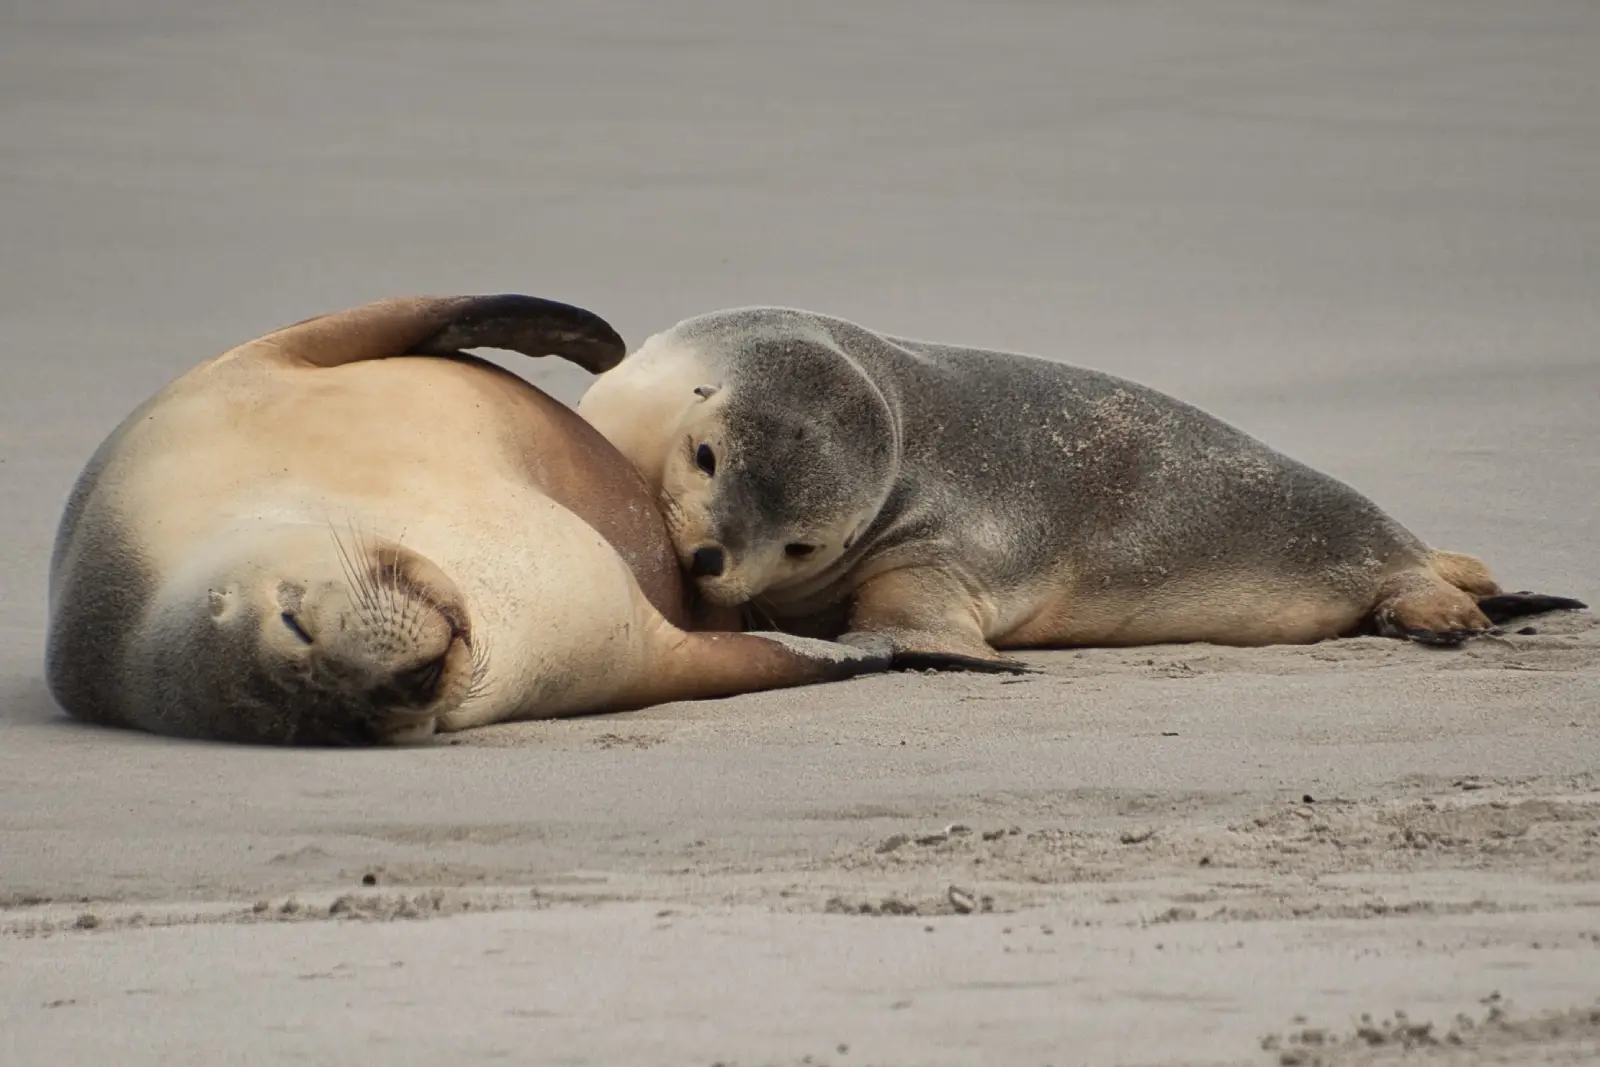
(797, 551)
(294, 627)
(706, 459)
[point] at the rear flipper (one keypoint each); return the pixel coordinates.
(1504, 607)
(442, 325)
(1471, 576)
(1422, 607)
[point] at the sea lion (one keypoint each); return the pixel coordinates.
(348, 531)
(962, 501)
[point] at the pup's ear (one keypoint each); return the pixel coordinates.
(706, 392)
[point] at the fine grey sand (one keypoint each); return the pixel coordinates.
(1368, 233)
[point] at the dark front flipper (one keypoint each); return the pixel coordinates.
(925, 613)
(1504, 607)
(530, 325)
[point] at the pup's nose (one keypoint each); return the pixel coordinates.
(707, 562)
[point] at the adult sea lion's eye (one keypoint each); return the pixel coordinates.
(796, 551)
(294, 627)
(706, 459)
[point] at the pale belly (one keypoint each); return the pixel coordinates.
(1239, 610)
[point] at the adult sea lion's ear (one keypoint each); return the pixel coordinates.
(706, 392)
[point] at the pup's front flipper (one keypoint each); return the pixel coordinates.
(926, 616)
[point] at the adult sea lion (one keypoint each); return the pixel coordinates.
(347, 531)
(961, 501)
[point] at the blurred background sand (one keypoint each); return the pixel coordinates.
(1368, 233)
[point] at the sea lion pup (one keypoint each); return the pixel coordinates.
(961, 501)
(329, 536)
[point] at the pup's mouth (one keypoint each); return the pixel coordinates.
(705, 562)
(724, 590)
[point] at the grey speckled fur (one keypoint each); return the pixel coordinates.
(1010, 465)
(1048, 455)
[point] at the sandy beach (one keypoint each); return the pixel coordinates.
(1369, 234)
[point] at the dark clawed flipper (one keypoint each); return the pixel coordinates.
(1504, 607)
(954, 661)
(1441, 638)
(926, 660)
(530, 325)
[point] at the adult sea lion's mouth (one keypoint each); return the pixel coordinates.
(458, 621)
(444, 677)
